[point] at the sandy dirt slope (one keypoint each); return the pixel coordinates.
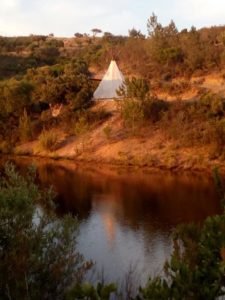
(214, 83)
(149, 149)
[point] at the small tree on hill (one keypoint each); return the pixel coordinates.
(107, 34)
(153, 26)
(78, 35)
(134, 33)
(96, 31)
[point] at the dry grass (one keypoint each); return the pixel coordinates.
(48, 140)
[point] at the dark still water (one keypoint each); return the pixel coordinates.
(126, 217)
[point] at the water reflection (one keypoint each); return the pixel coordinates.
(125, 217)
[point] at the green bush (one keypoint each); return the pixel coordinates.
(135, 88)
(38, 252)
(15, 95)
(135, 112)
(132, 113)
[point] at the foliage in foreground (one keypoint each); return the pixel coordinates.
(38, 257)
(196, 269)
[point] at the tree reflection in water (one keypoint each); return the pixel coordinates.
(126, 218)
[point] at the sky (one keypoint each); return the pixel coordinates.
(66, 17)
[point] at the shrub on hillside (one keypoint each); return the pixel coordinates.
(153, 109)
(137, 112)
(85, 119)
(174, 89)
(46, 54)
(138, 105)
(25, 127)
(48, 140)
(15, 95)
(196, 123)
(132, 113)
(5, 147)
(82, 98)
(212, 104)
(217, 135)
(135, 88)
(133, 108)
(107, 130)
(63, 83)
(81, 126)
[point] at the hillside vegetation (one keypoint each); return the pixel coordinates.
(173, 115)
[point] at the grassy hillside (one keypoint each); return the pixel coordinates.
(173, 117)
(165, 53)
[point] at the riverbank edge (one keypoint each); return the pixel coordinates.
(207, 170)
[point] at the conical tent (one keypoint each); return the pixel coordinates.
(110, 83)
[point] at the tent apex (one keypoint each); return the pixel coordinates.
(110, 83)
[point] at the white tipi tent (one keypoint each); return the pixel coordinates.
(110, 83)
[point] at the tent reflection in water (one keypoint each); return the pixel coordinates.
(110, 83)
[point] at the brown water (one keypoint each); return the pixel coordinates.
(126, 217)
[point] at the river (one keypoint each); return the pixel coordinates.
(126, 215)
